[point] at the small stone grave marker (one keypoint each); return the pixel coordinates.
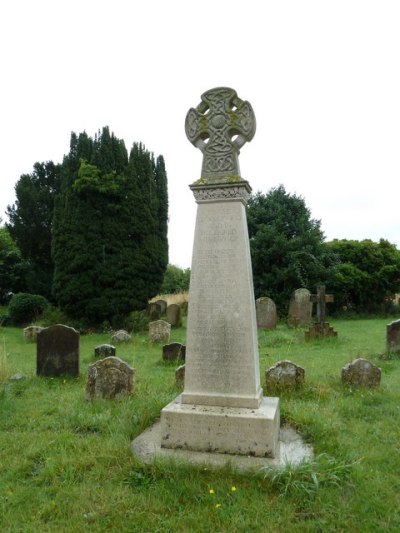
(174, 315)
(121, 336)
(104, 350)
(284, 375)
(393, 336)
(57, 351)
(163, 304)
(30, 333)
(159, 331)
(361, 373)
(180, 376)
(300, 309)
(266, 313)
(174, 351)
(109, 378)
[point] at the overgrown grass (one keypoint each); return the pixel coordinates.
(66, 465)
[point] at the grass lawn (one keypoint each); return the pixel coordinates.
(66, 465)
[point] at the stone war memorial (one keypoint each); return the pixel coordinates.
(221, 415)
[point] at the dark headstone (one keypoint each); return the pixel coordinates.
(361, 373)
(266, 313)
(109, 378)
(174, 351)
(163, 305)
(393, 336)
(180, 376)
(153, 311)
(284, 375)
(174, 315)
(300, 309)
(104, 350)
(57, 351)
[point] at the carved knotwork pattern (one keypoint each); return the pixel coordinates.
(219, 126)
(221, 193)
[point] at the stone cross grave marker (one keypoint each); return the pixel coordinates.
(321, 328)
(222, 408)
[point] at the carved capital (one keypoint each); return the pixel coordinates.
(222, 192)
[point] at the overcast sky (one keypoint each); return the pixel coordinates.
(323, 78)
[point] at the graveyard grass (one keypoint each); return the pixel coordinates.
(66, 465)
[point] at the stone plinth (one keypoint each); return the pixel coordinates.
(320, 331)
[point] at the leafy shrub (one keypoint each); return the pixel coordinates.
(53, 315)
(25, 308)
(138, 321)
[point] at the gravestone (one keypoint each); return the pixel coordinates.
(180, 376)
(159, 331)
(120, 336)
(109, 378)
(57, 351)
(266, 313)
(174, 351)
(153, 311)
(222, 408)
(284, 375)
(321, 328)
(300, 309)
(104, 350)
(30, 333)
(163, 305)
(393, 336)
(174, 315)
(361, 373)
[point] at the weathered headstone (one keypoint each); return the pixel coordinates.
(120, 336)
(174, 351)
(57, 351)
(109, 378)
(180, 376)
(321, 328)
(393, 336)
(153, 311)
(174, 315)
(163, 305)
(284, 375)
(300, 309)
(266, 313)
(30, 333)
(104, 350)
(159, 331)
(361, 373)
(222, 408)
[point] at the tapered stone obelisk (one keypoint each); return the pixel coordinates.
(222, 408)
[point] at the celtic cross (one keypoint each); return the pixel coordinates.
(219, 126)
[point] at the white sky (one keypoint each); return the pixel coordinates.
(323, 78)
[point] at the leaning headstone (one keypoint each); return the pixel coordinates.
(153, 311)
(163, 305)
(361, 373)
(221, 408)
(180, 376)
(174, 315)
(300, 309)
(159, 331)
(121, 336)
(104, 350)
(30, 333)
(109, 378)
(57, 351)
(266, 313)
(393, 336)
(174, 351)
(284, 375)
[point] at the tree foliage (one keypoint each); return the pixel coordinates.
(13, 269)
(286, 246)
(367, 276)
(175, 280)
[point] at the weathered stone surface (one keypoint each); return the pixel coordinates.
(153, 311)
(361, 373)
(319, 331)
(266, 313)
(163, 305)
(174, 315)
(300, 309)
(109, 378)
(174, 351)
(284, 375)
(393, 336)
(17, 377)
(180, 376)
(121, 336)
(159, 331)
(30, 333)
(104, 350)
(57, 351)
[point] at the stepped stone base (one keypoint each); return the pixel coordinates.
(226, 430)
(318, 332)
